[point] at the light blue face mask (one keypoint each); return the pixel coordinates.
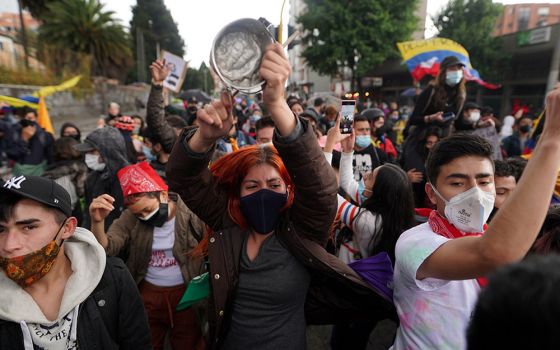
(361, 189)
(363, 141)
(453, 78)
(148, 153)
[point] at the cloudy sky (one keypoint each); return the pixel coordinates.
(200, 20)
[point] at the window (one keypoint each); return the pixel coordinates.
(543, 11)
(523, 16)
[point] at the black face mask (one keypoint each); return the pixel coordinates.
(379, 133)
(159, 217)
(262, 209)
(525, 128)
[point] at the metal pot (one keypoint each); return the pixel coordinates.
(237, 52)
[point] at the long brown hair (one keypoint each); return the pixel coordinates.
(440, 92)
(229, 172)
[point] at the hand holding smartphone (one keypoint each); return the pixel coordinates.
(448, 116)
(347, 116)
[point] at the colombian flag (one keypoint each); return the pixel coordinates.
(423, 57)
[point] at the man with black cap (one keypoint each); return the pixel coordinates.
(59, 291)
(105, 154)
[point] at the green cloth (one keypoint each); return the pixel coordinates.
(29, 170)
(197, 290)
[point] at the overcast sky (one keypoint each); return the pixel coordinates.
(200, 20)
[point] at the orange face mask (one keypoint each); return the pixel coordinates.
(29, 268)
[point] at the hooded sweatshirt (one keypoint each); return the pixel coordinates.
(110, 143)
(88, 260)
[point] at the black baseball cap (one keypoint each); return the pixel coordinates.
(450, 61)
(39, 189)
(311, 113)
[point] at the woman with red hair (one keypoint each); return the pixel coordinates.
(269, 211)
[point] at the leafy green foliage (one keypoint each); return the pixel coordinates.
(156, 24)
(199, 79)
(357, 34)
(471, 23)
(83, 26)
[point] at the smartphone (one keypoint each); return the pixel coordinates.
(347, 116)
(448, 116)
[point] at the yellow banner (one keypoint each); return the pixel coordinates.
(49, 90)
(410, 49)
(43, 118)
(17, 103)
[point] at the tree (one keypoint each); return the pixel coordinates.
(153, 20)
(355, 35)
(83, 26)
(471, 23)
(37, 8)
(199, 79)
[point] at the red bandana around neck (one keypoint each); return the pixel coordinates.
(442, 227)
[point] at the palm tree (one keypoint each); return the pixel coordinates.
(83, 26)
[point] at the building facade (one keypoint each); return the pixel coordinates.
(523, 17)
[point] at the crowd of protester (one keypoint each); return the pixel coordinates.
(288, 221)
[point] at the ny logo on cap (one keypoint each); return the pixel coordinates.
(14, 182)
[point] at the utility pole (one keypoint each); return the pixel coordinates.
(23, 35)
(140, 58)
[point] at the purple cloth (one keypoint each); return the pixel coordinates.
(377, 271)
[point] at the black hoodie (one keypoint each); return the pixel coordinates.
(110, 143)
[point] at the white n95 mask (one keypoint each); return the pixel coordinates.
(468, 211)
(92, 162)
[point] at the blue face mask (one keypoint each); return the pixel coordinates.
(361, 189)
(363, 141)
(453, 78)
(262, 209)
(148, 153)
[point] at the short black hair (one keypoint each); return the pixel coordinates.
(318, 102)
(503, 169)
(519, 308)
(518, 164)
(265, 122)
(453, 147)
(9, 200)
(360, 118)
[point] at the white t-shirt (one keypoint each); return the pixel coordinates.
(163, 269)
(433, 313)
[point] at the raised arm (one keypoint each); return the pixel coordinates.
(187, 170)
(314, 206)
(516, 225)
(155, 116)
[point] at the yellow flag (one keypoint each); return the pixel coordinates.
(43, 118)
(16, 102)
(49, 90)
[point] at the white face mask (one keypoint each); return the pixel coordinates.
(474, 117)
(468, 211)
(453, 78)
(92, 162)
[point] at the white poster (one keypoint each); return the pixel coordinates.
(178, 70)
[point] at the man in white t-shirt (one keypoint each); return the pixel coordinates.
(441, 265)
